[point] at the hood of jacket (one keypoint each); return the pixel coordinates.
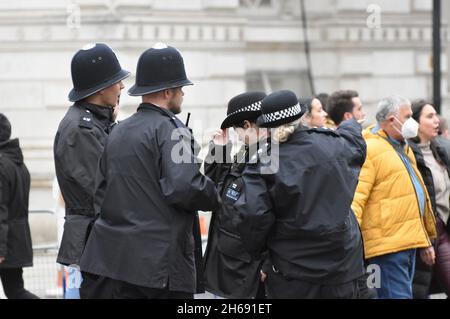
(11, 150)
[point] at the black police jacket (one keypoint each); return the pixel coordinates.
(230, 271)
(299, 206)
(150, 191)
(15, 238)
(77, 148)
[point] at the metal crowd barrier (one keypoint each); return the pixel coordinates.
(44, 279)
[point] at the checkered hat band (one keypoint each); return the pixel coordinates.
(252, 107)
(278, 115)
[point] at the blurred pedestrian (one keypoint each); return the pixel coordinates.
(315, 115)
(16, 249)
(297, 206)
(323, 98)
(391, 202)
(443, 137)
(434, 165)
(229, 270)
(146, 242)
(345, 105)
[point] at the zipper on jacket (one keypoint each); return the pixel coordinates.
(229, 233)
(422, 218)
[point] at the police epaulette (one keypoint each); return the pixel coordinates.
(174, 122)
(86, 121)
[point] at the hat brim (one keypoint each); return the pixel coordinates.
(260, 121)
(240, 117)
(137, 90)
(77, 95)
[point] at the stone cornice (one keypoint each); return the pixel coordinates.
(224, 34)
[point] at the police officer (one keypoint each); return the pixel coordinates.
(16, 249)
(97, 83)
(230, 271)
(144, 243)
(301, 208)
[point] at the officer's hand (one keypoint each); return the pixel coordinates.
(263, 276)
(428, 256)
(220, 137)
(2, 259)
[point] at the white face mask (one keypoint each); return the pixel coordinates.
(409, 128)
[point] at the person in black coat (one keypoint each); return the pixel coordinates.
(97, 77)
(229, 270)
(433, 163)
(16, 249)
(145, 241)
(299, 205)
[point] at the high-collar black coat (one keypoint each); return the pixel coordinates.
(230, 271)
(299, 206)
(148, 194)
(15, 238)
(77, 148)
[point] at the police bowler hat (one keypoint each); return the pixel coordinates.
(94, 68)
(278, 108)
(245, 106)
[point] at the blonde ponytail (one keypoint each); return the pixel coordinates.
(282, 133)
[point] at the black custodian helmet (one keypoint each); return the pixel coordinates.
(159, 68)
(94, 68)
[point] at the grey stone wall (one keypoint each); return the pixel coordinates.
(228, 46)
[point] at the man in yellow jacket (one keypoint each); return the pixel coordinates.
(391, 202)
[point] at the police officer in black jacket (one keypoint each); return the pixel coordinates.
(16, 249)
(97, 79)
(230, 271)
(146, 239)
(299, 205)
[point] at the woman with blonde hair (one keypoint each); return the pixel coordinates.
(299, 209)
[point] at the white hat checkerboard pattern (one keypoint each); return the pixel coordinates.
(278, 115)
(252, 107)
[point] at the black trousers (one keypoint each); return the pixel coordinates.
(364, 291)
(98, 287)
(13, 285)
(280, 287)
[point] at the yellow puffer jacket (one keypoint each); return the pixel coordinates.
(385, 201)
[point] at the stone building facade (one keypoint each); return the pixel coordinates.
(377, 47)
